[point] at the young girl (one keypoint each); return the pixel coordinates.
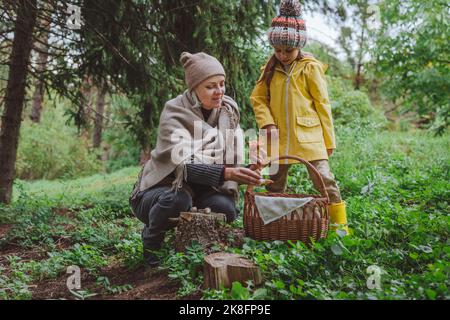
(291, 97)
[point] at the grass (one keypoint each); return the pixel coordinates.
(397, 190)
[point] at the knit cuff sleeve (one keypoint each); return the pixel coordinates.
(205, 174)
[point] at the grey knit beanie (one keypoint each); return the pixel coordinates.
(199, 67)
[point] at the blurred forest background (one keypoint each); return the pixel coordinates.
(82, 85)
(96, 74)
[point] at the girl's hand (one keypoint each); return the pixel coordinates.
(269, 128)
(330, 152)
(257, 155)
(272, 132)
(256, 166)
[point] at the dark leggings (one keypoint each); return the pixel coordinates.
(156, 205)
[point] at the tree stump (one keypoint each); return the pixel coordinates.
(223, 268)
(201, 226)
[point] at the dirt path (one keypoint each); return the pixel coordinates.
(149, 284)
(140, 283)
(146, 284)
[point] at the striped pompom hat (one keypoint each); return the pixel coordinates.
(288, 28)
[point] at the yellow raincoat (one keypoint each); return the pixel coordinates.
(299, 106)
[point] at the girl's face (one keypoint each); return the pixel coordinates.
(210, 92)
(286, 55)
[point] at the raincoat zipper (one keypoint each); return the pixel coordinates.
(286, 104)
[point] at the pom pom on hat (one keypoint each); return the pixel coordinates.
(290, 8)
(185, 56)
(288, 28)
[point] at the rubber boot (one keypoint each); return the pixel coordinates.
(338, 216)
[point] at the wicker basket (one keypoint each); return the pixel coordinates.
(299, 224)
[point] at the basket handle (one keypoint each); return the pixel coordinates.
(316, 173)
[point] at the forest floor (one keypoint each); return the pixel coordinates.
(397, 198)
(143, 283)
(138, 283)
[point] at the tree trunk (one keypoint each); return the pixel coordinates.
(145, 156)
(144, 137)
(87, 93)
(98, 123)
(358, 77)
(202, 227)
(224, 268)
(42, 46)
(360, 64)
(15, 95)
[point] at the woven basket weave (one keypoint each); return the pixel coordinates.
(308, 222)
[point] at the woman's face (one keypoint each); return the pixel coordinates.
(210, 92)
(286, 55)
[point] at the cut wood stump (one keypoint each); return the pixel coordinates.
(201, 226)
(224, 268)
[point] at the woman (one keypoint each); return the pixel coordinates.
(170, 183)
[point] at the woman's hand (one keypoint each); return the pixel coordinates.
(243, 176)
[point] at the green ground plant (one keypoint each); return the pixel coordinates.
(51, 150)
(396, 186)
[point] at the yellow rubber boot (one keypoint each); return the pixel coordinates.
(338, 216)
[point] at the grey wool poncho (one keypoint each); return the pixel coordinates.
(179, 142)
